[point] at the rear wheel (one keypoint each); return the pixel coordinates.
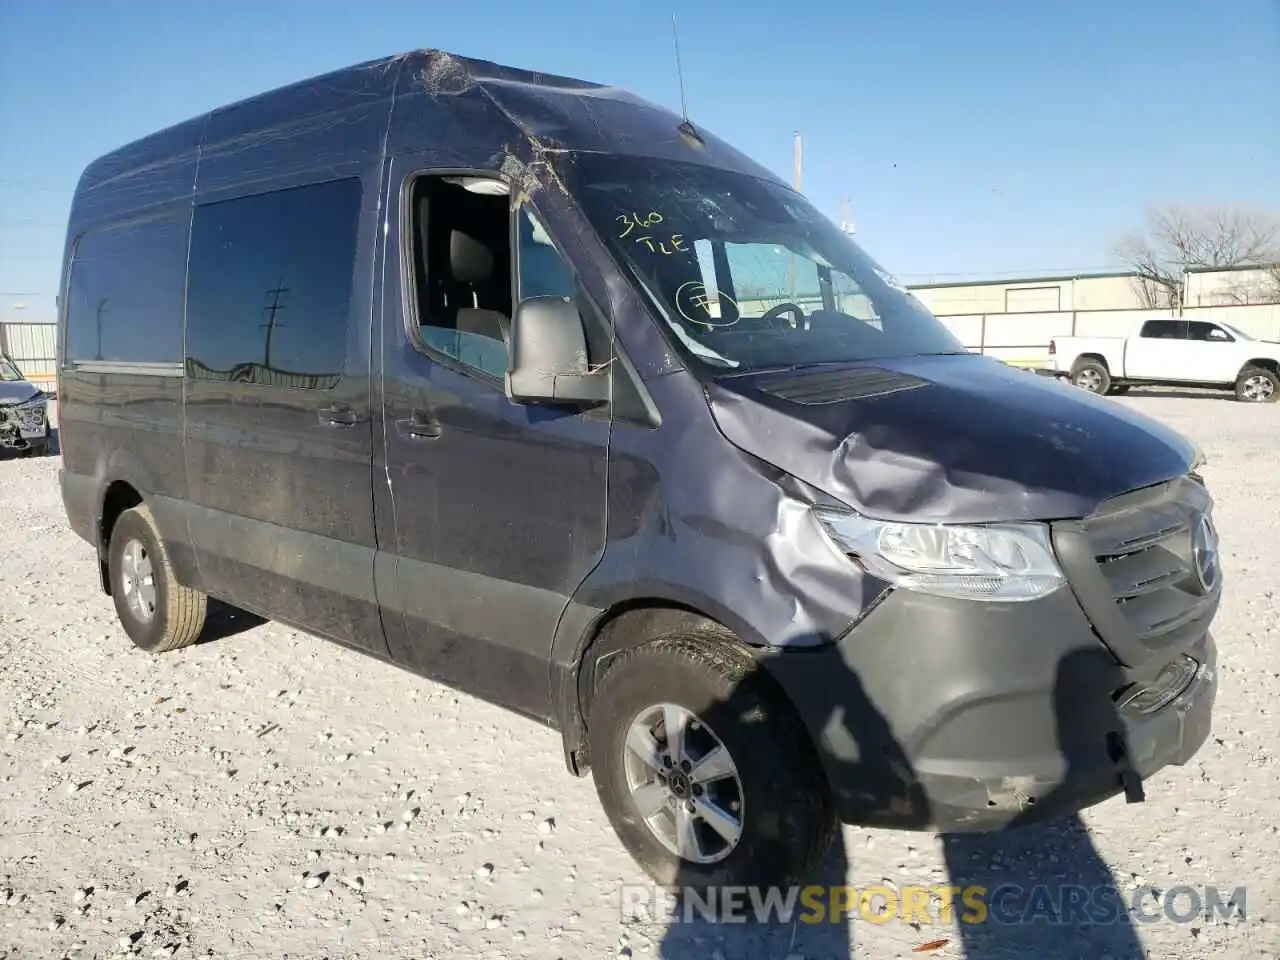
(1257, 385)
(1091, 375)
(706, 774)
(157, 612)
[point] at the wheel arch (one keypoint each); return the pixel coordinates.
(623, 626)
(1080, 358)
(117, 497)
(1265, 363)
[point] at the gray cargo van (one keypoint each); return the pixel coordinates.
(532, 387)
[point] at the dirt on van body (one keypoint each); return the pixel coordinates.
(268, 794)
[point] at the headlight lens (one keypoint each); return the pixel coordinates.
(1198, 460)
(30, 413)
(1004, 561)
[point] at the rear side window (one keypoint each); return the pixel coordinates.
(269, 294)
(124, 303)
(1164, 330)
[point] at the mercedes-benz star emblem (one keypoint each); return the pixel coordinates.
(1204, 552)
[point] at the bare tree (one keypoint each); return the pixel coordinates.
(1272, 290)
(1178, 237)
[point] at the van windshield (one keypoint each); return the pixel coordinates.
(747, 274)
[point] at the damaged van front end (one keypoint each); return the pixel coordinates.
(1039, 639)
(988, 596)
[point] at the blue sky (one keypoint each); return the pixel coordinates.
(992, 137)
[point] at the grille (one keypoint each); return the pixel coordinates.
(1144, 546)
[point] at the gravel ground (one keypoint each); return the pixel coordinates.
(271, 795)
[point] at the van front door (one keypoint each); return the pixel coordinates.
(493, 512)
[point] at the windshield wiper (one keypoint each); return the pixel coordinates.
(788, 368)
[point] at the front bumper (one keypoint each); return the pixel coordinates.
(22, 424)
(936, 714)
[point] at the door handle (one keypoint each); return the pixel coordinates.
(418, 427)
(338, 415)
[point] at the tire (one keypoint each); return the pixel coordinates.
(176, 613)
(1091, 375)
(1257, 385)
(783, 801)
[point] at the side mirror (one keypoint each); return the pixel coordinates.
(548, 360)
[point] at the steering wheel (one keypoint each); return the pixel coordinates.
(777, 311)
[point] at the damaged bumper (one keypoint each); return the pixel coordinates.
(24, 424)
(936, 714)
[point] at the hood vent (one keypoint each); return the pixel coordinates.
(838, 386)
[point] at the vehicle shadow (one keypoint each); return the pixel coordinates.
(1049, 892)
(1029, 870)
(1150, 393)
(223, 621)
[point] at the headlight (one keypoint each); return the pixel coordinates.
(30, 413)
(1002, 561)
(1198, 458)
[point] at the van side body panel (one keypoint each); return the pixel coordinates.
(279, 446)
(497, 509)
(120, 421)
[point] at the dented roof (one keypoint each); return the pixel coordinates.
(453, 111)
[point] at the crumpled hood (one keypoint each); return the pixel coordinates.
(16, 391)
(958, 438)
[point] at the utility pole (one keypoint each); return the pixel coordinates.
(846, 225)
(271, 309)
(796, 161)
(102, 308)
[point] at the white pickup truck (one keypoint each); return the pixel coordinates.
(1174, 352)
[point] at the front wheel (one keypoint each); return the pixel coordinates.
(1257, 385)
(705, 772)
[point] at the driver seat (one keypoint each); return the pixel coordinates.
(471, 264)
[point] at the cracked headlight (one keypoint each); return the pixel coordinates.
(999, 561)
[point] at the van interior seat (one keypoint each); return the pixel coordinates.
(471, 263)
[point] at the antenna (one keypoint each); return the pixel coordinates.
(675, 36)
(686, 129)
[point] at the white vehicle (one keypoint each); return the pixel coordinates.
(1188, 353)
(24, 412)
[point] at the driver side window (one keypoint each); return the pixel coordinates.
(1209, 332)
(463, 269)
